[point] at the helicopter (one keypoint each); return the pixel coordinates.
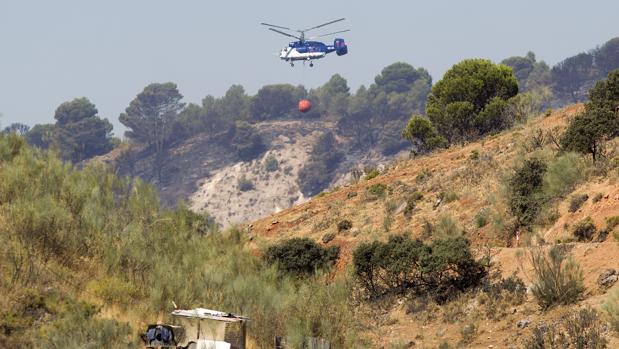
(307, 50)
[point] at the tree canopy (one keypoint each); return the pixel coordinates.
(79, 133)
(463, 93)
(151, 114)
(600, 121)
(276, 101)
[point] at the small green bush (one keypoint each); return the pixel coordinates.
(447, 226)
(597, 197)
(563, 173)
(245, 184)
(580, 329)
(344, 225)
(612, 222)
(611, 307)
(328, 237)
(372, 174)
(577, 201)
(301, 256)
(423, 175)
(411, 203)
(474, 155)
(558, 279)
(376, 191)
(271, 164)
(481, 218)
(584, 230)
(448, 196)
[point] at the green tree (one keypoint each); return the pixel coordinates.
(530, 73)
(606, 57)
(400, 77)
(600, 121)
(332, 96)
(357, 121)
(79, 133)
(151, 117)
(276, 101)
(17, 127)
(573, 76)
(41, 135)
(423, 135)
(151, 114)
(464, 91)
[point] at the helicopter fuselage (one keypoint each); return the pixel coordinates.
(311, 50)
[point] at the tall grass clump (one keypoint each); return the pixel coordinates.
(563, 173)
(557, 278)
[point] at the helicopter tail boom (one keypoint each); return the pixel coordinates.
(339, 46)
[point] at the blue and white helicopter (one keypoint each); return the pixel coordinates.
(305, 50)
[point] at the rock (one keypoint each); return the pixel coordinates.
(351, 194)
(523, 323)
(607, 278)
(438, 202)
(274, 222)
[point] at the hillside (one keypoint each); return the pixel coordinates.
(205, 171)
(459, 186)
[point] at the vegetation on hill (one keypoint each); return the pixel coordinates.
(74, 242)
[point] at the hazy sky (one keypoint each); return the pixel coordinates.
(54, 51)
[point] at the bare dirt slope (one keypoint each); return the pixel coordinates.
(458, 186)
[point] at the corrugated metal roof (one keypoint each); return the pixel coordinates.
(203, 313)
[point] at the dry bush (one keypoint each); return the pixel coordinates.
(557, 278)
(581, 329)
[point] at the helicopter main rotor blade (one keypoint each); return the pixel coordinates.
(286, 34)
(341, 31)
(275, 26)
(322, 25)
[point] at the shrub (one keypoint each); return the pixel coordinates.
(474, 155)
(597, 197)
(612, 222)
(301, 256)
(344, 225)
(328, 237)
(558, 279)
(402, 266)
(524, 191)
(611, 307)
(245, 184)
(481, 218)
(581, 329)
(271, 164)
(577, 201)
(448, 196)
(562, 174)
(411, 202)
(423, 175)
(373, 173)
(584, 230)
(446, 226)
(376, 191)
